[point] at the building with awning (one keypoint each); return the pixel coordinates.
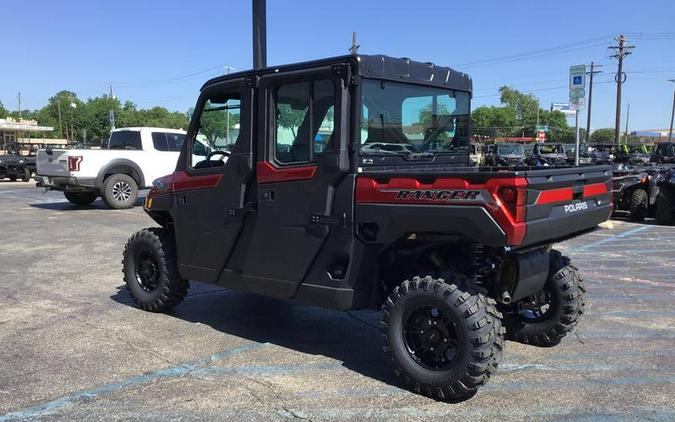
(20, 130)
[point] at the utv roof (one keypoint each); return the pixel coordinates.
(376, 67)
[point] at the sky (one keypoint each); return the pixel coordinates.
(161, 52)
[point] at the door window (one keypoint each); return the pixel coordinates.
(163, 141)
(125, 139)
(218, 132)
(304, 121)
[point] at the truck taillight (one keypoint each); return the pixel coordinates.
(514, 199)
(74, 162)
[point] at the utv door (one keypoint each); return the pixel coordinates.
(212, 193)
(302, 158)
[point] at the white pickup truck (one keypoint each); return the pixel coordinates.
(133, 158)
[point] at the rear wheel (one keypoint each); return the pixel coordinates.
(638, 205)
(120, 191)
(544, 318)
(443, 341)
(80, 198)
(150, 270)
(12, 178)
(664, 207)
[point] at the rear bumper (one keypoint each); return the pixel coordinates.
(552, 230)
(66, 183)
(11, 170)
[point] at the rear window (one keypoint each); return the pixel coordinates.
(125, 139)
(163, 141)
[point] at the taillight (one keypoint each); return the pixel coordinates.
(514, 199)
(74, 162)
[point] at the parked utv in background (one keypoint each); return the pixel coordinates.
(476, 154)
(632, 193)
(663, 153)
(548, 154)
(665, 200)
(584, 156)
(452, 254)
(504, 155)
(14, 165)
(639, 154)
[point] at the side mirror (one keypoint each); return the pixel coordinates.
(49, 150)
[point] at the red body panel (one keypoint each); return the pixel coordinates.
(267, 173)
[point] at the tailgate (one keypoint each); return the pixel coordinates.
(562, 202)
(54, 164)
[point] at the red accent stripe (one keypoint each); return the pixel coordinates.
(554, 195)
(183, 181)
(595, 189)
(267, 173)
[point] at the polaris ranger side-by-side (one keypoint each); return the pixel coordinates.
(456, 256)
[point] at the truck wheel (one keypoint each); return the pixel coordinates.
(150, 270)
(12, 178)
(638, 205)
(443, 341)
(664, 208)
(80, 198)
(26, 175)
(120, 191)
(544, 318)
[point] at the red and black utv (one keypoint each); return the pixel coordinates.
(289, 201)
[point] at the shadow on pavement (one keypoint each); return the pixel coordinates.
(350, 337)
(67, 206)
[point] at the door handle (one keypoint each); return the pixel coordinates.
(269, 195)
(182, 200)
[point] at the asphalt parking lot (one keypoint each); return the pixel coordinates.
(73, 345)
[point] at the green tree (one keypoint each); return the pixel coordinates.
(524, 105)
(601, 136)
(290, 118)
(3, 111)
(493, 121)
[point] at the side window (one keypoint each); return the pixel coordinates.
(304, 120)
(159, 141)
(218, 131)
(125, 139)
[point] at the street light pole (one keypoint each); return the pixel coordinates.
(672, 115)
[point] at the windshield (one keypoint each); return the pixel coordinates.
(413, 120)
(551, 149)
(510, 149)
(668, 150)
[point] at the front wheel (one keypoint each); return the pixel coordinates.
(638, 205)
(120, 191)
(150, 270)
(443, 341)
(26, 175)
(544, 318)
(80, 198)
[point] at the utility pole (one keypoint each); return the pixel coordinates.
(621, 50)
(672, 115)
(19, 107)
(355, 47)
(625, 135)
(590, 99)
(58, 104)
(112, 109)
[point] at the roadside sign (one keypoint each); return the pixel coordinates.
(577, 86)
(563, 108)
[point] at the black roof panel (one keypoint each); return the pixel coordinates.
(378, 66)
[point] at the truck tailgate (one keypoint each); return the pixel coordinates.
(54, 164)
(561, 202)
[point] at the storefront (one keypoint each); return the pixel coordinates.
(20, 131)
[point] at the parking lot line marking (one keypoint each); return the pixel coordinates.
(625, 234)
(134, 381)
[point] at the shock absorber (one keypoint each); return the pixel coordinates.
(480, 263)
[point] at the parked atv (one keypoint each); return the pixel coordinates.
(435, 244)
(548, 155)
(664, 153)
(504, 155)
(631, 193)
(15, 166)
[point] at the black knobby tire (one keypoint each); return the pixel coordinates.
(80, 198)
(664, 207)
(477, 341)
(638, 205)
(150, 270)
(119, 191)
(26, 175)
(566, 298)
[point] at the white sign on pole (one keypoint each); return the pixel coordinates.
(577, 86)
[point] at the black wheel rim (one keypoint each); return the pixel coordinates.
(535, 307)
(146, 271)
(430, 338)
